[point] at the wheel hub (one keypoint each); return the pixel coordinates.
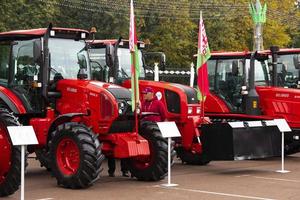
(5, 149)
(68, 156)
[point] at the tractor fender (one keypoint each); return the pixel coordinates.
(62, 119)
(12, 102)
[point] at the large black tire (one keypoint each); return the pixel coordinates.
(191, 158)
(155, 167)
(80, 167)
(43, 156)
(10, 178)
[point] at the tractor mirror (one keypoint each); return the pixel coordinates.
(297, 61)
(109, 55)
(37, 49)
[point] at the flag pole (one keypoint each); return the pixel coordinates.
(132, 40)
(202, 85)
(135, 95)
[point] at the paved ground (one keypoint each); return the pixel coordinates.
(217, 181)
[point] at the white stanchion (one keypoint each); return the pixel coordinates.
(169, 130)
(283, 127)
(22, 136)
(192, 77)
(23, 172)
(282, 156)
(156, 72)
(169, 184)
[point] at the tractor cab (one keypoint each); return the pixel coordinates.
(32, 61)
(288, 66)
(229, 78)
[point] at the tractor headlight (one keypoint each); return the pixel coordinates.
(190, 110)
(121, 106)
(198, 111)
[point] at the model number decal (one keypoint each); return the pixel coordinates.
(282, 95)
(74, 90)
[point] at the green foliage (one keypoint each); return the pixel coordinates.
(169, 26)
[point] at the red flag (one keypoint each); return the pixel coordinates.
(203, 56)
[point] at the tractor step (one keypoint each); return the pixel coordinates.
(221, 142)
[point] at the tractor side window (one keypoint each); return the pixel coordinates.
(26, 74)
(4, 62)
(124, 57)
(288, 74)
(98, 64)
(261, 72)
(26, 69)
(229, 80)
(211, 66)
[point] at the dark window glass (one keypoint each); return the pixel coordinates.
(4, 62)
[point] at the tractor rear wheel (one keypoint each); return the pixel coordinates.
(75, 156)
(10, 159)
(191, 158)
(154, 167)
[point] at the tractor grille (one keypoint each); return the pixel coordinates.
(120, 93)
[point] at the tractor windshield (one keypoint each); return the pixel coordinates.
(288, 75)
(67, 58)
(125, 63)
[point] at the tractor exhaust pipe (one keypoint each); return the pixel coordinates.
(252, 99)
(274, 51)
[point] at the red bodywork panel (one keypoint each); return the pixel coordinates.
(280, 103)
(187, 124)
(13, 99)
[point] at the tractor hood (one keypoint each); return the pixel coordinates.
(93, 87)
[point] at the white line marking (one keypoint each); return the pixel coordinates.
(240, 176)
(277, 179)
(218, 193)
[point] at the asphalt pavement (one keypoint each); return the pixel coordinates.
(218, 180)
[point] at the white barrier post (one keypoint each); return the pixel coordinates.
(23, 172)
(192, 77)
(156, 72)
(283, 127)
(169, 130)
(22, 136)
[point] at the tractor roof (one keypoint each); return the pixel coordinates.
(123, 43)
(283, 51)
(247, 54)
(35, 33)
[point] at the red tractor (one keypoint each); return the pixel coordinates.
(244, 86)
(113, 58)
(46, 83)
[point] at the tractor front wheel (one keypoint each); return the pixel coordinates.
(42, 155)
(155, 166)
(75, 156)
(10, 159)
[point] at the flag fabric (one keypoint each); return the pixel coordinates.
(202, 57)
(135, 68)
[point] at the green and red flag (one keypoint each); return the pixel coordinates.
(202, 57)
(135, 68)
